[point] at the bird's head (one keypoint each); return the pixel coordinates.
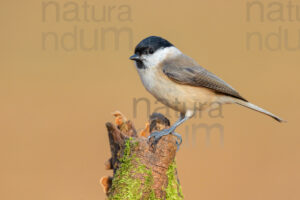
(151, 51)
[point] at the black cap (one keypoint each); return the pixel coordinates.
(151, 44)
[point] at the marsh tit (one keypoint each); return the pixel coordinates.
(177, 81)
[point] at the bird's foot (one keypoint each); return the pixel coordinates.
(179, 139)
(157, 135)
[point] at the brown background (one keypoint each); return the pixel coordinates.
(54, 103)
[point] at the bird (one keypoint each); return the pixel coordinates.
(179, 82)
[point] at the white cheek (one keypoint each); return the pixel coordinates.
(160, 55)
(151, 60)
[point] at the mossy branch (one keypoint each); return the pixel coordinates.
(141, 169)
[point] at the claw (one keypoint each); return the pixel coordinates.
(159, 134)
(179, 141)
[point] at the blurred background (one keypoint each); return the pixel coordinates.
(64, 69)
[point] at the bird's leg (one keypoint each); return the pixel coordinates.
(159, 134)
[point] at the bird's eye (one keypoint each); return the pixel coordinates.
(150, 51)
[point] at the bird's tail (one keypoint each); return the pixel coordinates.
(256, 108)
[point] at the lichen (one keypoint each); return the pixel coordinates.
(126, 186)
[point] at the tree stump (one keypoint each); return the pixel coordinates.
(141, 168)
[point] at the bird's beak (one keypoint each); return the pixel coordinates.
(134, 57)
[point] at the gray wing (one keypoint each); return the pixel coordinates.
(186, 71)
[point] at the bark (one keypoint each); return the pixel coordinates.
(142, 169)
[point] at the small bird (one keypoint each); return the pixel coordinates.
(177, 81)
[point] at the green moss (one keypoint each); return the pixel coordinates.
(173, 190)
(126, 187)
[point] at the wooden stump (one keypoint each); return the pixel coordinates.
(141, 169)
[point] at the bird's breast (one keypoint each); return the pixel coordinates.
(177, 96)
